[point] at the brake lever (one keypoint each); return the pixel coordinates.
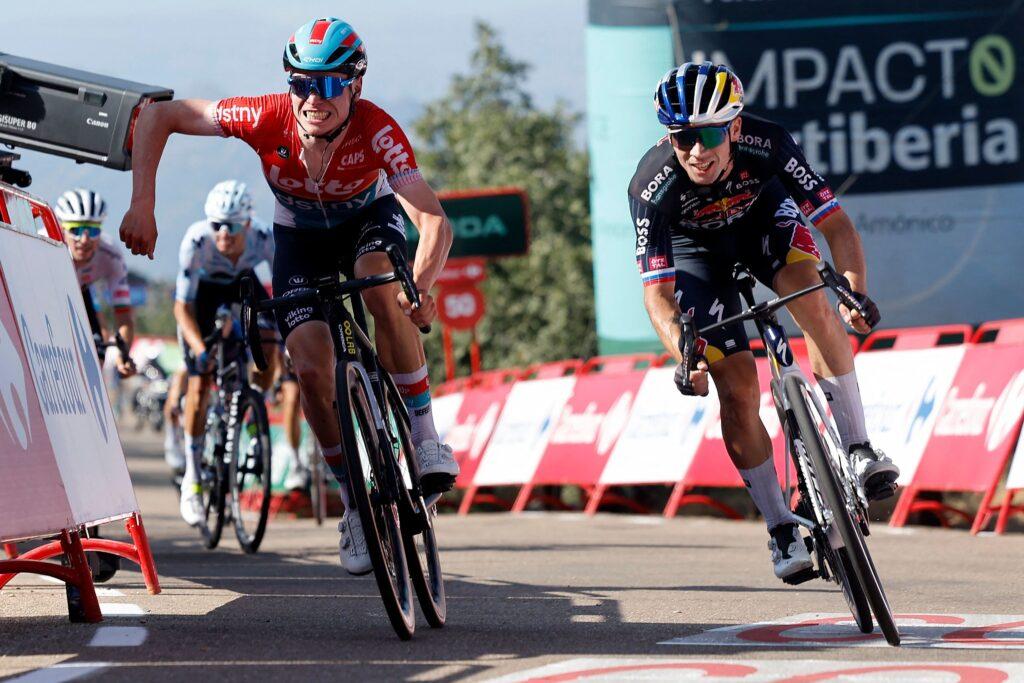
(398, 262)
(839, 284)
(687, 343)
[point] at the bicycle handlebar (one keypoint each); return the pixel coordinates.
(313, 295)
(837, 282)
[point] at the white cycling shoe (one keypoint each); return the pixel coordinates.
(191, 505)
(789, 553)
(355, 557)
(437, 465)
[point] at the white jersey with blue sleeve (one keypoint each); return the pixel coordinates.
(199, 259)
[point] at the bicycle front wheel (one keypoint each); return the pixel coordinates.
(250, 469)
(836, 498)
(375, 494)
(418, 531)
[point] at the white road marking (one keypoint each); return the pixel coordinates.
(119, 636)
(58, 673)
(121, 609)
(108, 593)
(588, 618)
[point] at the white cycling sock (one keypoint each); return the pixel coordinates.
(763, 485)
(415, 390)
(333, 460)
(193, 454)
(843, 396)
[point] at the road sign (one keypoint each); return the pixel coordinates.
(460, 307)
(487, 222)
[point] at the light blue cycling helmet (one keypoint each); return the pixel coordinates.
(326, 44)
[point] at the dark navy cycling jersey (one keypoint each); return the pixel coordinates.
(667, 207)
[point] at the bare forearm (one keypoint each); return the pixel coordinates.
(664, 313)
(151, 132)
(847, 251)
(125, 326)
(432, 252)
(189, 329)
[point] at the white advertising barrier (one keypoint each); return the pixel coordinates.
(55, 334)
(1015, 478)
(446, 410)
(902, 393)
(661, 436)
(523, 430)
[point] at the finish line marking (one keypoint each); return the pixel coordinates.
(955, 631)
(760, 671)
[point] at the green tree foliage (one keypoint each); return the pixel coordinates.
(486, 132)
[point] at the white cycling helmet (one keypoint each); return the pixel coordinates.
(81, 206)
(695, 95)
(229, 200)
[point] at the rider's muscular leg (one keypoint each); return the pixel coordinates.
(312, 353)
(829, 350)
(194, 419)
(264, 379)
(399, 347)
(290, 412)
(745, 437)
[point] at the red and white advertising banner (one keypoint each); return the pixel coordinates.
(474, 424)
(661, 435)
(32, 500)
(590, 424)
(902, 393)
(712, 465)
(1015, 477)
(523, 431)
(445, 410)
(978, 422)
(54, 331)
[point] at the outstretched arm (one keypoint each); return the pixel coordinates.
(155, 124)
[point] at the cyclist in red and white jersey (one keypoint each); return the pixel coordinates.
(339, 167)
(96, 259)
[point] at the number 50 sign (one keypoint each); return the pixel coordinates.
(460, 306)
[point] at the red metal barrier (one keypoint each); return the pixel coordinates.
(137, 551)
(83, 606)
(917, 337)
(558, 368)
(619, 364)
(1009, 331)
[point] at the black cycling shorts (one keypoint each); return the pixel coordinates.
(301, 256)
(770, 236)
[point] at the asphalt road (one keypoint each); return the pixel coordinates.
(553, 590)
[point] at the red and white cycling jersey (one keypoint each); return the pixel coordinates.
(374, 159)
(106, 264)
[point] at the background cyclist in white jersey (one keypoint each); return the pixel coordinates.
(215, 254)
(96, 259)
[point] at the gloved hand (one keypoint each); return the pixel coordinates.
(868, 321)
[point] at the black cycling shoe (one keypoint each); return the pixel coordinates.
(875, 471)
(436, 483)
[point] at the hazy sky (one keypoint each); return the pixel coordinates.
(218, 49)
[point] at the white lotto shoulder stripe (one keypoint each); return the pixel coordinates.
(523, 430)
(662, 434)
(903, 392)
(1015, 478)
(749, 670)
(55, 331)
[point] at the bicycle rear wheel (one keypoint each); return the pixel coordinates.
(835, 497)
(418, 531)
(374, 490)
(250, 469)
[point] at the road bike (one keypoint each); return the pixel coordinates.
(383, 475)
(832, 504)
(236, 460)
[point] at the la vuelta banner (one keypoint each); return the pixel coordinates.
(913, 113)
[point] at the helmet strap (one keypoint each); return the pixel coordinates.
(333, 135)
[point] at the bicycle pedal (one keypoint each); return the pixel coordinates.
(802, 576)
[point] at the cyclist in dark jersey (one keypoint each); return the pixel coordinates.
(724, 188)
